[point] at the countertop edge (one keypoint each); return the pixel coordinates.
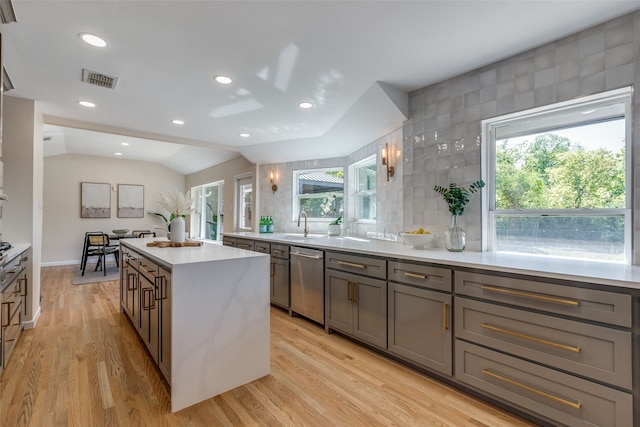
(613, 275)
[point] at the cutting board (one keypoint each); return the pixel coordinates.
(160, 244)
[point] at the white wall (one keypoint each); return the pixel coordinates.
(23, 182)
(63, 229)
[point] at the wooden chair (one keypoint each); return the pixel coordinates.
(147, 234)
(96, 244)
(137, 233)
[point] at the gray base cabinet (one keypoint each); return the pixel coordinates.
(13, 292)
(280, 286)
(562, 352)
(355, 304)
(145, 297)
(420, 326)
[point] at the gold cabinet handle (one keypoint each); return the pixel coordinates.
(530, 338)
(444, 317)
(416, 276)
(351, 264)
(532, 296)
(574, 405)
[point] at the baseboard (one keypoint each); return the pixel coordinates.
(30, 324)
(59, 263)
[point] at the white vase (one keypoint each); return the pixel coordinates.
(334, 229)
(177, 230)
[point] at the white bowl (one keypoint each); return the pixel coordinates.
(418, 241)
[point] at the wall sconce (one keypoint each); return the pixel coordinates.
(274, 187)
(386, 160)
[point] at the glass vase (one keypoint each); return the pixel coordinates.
(455, 237)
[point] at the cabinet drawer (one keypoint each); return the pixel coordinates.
(592, 351)
(280, 251)
(560, 397)
(590, 304)
(229, 241)
(262, 247)
(420, 275)
(245, 244)
(373, 267)
(148, 269)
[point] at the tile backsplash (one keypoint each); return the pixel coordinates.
(441, 142)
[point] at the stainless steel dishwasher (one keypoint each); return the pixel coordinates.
(307, 283)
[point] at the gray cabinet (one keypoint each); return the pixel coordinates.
(229, 241)
(145, 297)
(356, 304)
(420, 327)
(280, 286)
(561, 352)
(13, 290)
(163, 298)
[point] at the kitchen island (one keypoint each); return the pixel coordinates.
(202, 312)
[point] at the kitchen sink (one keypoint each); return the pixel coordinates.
(300, 236)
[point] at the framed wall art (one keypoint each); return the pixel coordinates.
(95, 200)
(130, 201)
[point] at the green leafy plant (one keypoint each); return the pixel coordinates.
(458, 197)
(336, 221)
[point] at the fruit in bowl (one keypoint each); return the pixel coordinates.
(417, 238)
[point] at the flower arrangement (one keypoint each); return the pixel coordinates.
(178, 205)
(458, 197)
(336, 221)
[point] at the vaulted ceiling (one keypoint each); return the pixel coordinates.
(355, 61)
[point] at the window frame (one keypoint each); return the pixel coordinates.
(527, 120)
(355, 167)
(297, 196)
(198, 219)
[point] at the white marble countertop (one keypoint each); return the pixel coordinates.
(13, 252)
(173, 256)
(601, 273)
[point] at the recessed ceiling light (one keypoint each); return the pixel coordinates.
(92, 39)
(87, 104)
(245, 135)
(225, 80)
(118, 154)
(305, 105)
(124, 143)
(177, 122)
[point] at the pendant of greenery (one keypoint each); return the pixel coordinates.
(458, 197)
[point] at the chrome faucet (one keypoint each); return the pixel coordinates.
(306, 229)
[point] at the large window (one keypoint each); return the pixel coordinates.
(365, 189)
(206, 220)
(319, 192)
(559, 180)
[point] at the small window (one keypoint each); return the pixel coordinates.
(365, 189)
(244, 208)
(559, 180)
(319, 192)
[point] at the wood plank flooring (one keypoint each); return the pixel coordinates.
(84, 366)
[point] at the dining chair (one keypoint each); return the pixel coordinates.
(97, 245)
(147, 233)
(137, 233)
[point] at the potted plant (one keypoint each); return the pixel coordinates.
(329, 207)
(335, 227)
(457, 198)
(179, 206)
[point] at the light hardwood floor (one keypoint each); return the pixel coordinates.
(84, 366)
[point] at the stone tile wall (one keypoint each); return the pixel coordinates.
(442, 138)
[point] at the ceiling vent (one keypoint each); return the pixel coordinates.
(99, 79)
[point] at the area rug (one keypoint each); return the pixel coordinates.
(90, 276)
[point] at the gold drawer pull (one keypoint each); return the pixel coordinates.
(532, 296)
(444, 317)
(530, 338)
(574, 405)
(350, 264)
(416, 276)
